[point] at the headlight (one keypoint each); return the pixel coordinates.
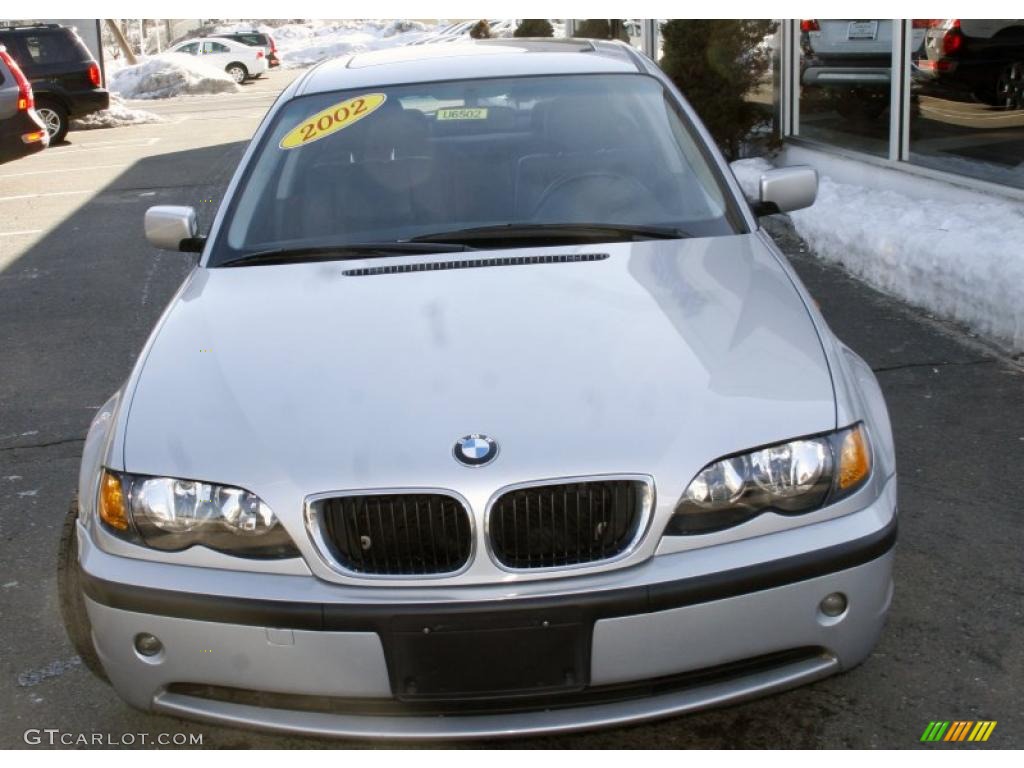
(171, 514)
(788, 478)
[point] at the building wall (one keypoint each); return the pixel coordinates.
(940, 97)
(915, 95)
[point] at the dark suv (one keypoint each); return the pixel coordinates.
(981, 58)
(64, 76)
(257, 40)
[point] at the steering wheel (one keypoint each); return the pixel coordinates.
(597, 196)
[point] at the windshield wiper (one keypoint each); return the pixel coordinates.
(341, 252)
(534, 231)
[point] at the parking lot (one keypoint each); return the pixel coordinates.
(80, 289)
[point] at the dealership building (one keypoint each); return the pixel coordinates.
(933, 108)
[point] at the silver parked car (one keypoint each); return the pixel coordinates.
(489, 409)
(22, 132)
(850, 60)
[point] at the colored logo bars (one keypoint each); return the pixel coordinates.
(958, 730)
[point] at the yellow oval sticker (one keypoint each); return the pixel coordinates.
(332, 120)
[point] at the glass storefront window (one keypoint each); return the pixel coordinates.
(967, 98)
(845, 82)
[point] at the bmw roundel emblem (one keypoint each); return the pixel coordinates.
(475, 450)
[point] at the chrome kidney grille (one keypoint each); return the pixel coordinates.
(551, 526)
(414, 534)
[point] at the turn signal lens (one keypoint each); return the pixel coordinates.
(113, 510)
(854, 459)
(34, 137)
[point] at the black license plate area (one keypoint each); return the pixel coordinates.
(440, 660)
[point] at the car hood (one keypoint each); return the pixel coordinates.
(298, 379)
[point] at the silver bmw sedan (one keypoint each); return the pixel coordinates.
(488, 409)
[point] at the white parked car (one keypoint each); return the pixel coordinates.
(488, 409)
(240, 61)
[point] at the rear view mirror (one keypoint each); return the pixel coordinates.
(174, 228)
(787, 189)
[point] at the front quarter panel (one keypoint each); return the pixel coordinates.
(858, 395)
(95, 452)
(864, 398)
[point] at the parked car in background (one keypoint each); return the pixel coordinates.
(65, 77)
(21, 130)
(257, 39)
(983, 58)
(851, 59)
(626, 470)
(241, 61)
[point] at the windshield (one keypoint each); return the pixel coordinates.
(391, 164)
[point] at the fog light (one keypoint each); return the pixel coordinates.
(833, 605)
(147, 644)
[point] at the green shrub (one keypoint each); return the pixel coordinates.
(534, 28)
(602, 29)
(716, 63)
(480, 30)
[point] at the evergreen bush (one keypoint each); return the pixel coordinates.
(534, 28)
(716, 63)
(481, 30)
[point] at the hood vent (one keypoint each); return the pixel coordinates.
(503, 261)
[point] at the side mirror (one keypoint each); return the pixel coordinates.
(787, 189)
(174, 228)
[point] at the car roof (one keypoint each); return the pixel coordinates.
(506, 57)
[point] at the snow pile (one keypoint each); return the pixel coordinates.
(115, 116)
(460, 30)
(959, 260)
(748, 174)
(302, 45)
(170, 74)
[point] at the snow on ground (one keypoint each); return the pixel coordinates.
(170, 74)
(300, 45)
(304, 44)
(962, 261)
(117, 115)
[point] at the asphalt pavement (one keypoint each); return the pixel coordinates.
(80, 290)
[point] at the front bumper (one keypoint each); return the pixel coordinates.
(654, 647)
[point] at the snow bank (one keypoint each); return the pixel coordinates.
(962, 261)
(748, 174)
(304, 44)
(117, 115)
(170, 74)
(301, 45)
